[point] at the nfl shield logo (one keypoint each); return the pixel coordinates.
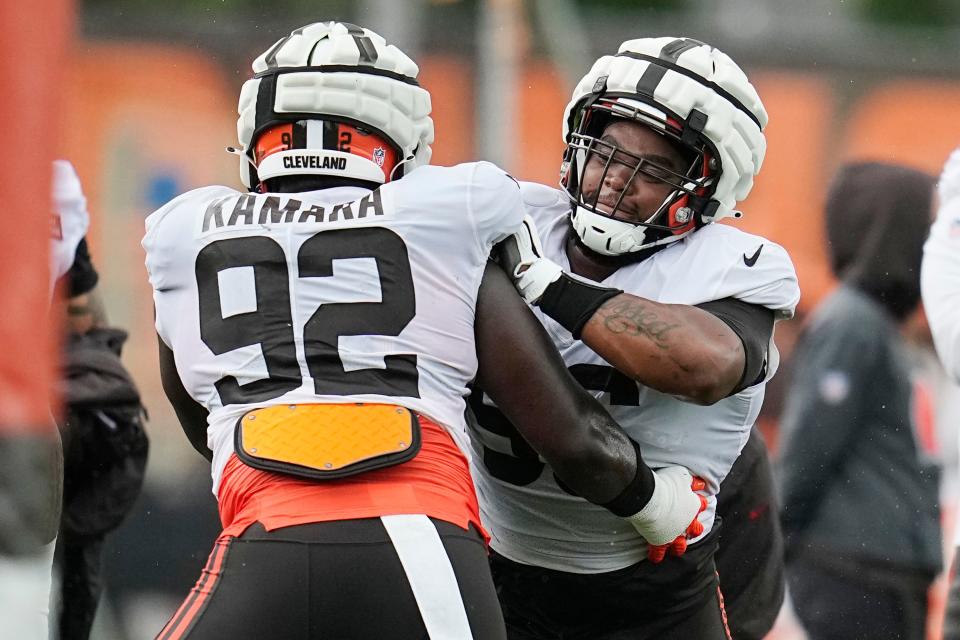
(379, 155)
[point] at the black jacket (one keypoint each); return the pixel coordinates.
(854, 482)
(105, 445)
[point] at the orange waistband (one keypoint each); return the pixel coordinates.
(436, 483)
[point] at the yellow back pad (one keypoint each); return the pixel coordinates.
(326, 436)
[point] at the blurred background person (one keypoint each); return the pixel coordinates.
(859, 492)
(104, 442)
(28, 522)
(940, 280)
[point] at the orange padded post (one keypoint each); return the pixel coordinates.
(32, 53)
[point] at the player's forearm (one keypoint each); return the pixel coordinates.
(676, 349)
(522, 372)
(591, 454)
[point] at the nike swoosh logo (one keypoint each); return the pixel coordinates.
(752, 260)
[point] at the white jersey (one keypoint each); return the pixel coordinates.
(70, 219)
(940, 275)
(940, 282)
(530, 517)
(342, 294)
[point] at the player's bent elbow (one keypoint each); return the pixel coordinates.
(714, 378)
(593, 458)
(706, 396)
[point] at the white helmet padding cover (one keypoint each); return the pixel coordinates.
(336, 71)
(692, 85)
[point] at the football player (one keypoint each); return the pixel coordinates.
(852, 410)
(663, 139)
(316, 338)
(940, 286)
(940, 274)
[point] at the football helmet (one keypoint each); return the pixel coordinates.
(332, 99)
(683, 89)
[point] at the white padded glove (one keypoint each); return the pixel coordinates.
(671, 514)
(521, 256)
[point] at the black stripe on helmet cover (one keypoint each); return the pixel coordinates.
(341, 68)
(331, 135)
(299, 135)
(654, 73)
(663, 64)
(265, 100)
(368, 52)
(271, 57)
(314, 48)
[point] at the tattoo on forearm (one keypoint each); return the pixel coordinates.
(633, 317)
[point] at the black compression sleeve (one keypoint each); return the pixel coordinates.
(635, 495)
(753, 324)
(573, 302)
(192, 415)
